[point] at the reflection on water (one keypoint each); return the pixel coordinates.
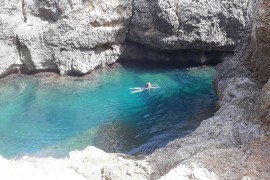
(50, 116)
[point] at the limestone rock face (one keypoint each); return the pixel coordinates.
(91, 163)
(11, 17)
(186, 24)
(72, 36)
(75, 37)
(260, 59)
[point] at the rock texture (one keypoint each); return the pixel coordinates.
(223, 147)
(260, 58)
(263, 105)
(232, 127)
(72, 37)
(248, 162)
(91, 163)
(186, 24)
(11, 18)
(75, 37)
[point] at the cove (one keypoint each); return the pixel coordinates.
(51, 116)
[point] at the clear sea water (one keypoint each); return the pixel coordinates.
(51, 116)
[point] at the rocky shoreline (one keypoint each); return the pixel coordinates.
(233, 144)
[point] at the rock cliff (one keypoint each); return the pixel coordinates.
(75, 37)
(68, 37)
(186, 24)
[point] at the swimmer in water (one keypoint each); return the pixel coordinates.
(148, 85)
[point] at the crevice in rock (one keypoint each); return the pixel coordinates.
(97, 49)
(35, 71)
(179, 20)
(24, 12)
(130, 20)
(25, 57)
(102, 48)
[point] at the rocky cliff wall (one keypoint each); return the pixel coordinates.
(186, 24)
(65, 36)
(75, 37)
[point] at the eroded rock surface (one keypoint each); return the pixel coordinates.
(73, 36)
(70, 37)
(186, 24)
(11, 17)
(260, 58)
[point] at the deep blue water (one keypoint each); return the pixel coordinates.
(51, 116)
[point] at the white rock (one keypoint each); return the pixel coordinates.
(185, 24)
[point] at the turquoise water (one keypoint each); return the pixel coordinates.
(51, 116)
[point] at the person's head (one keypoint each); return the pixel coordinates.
(148, 85)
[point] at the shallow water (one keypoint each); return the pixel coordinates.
(51, 116)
